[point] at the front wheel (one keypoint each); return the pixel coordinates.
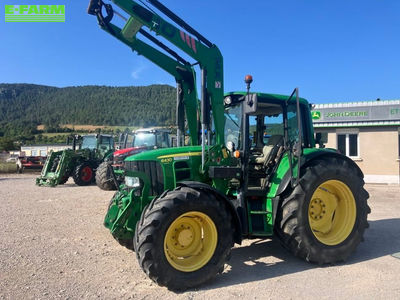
(83, 174)
(183, 238)
(323, 219)
(104, 179)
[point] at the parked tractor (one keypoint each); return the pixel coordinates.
(130, 144)
(256, 174)
(80, 162)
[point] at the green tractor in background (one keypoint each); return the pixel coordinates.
(256, 174)
(80, 162)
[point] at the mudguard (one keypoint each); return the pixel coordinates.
(236, 219)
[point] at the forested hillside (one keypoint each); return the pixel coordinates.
(24, 106)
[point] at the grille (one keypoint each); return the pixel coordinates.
(153, 169)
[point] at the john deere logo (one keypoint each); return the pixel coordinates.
(35, 13)
(316, 115)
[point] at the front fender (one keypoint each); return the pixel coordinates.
(236, 219)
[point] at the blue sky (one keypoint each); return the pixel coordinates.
(332, 50)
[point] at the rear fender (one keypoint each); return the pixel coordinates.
(281, 184)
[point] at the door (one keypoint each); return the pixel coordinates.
(294, 135)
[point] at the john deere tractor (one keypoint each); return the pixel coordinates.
(130, 144)
(256, 174)
(80, 162)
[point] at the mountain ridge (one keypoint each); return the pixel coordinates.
(25, 106)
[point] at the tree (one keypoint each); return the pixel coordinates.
(6, 144)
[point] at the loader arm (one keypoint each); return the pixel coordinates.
(205, 53)
(184, 75)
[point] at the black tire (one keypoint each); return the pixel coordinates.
(64, 179)
(83, 174)
(152, 228)
(292, 224)
(104, 178)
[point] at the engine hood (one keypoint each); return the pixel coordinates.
(129, 151)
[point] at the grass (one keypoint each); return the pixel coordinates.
(6, 167)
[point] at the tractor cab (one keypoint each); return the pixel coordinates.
(101, 144)
(260, 129)
(152, 138)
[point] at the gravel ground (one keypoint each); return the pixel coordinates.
(53, 245)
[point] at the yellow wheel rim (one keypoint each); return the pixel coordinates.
(332, 212)
(190, 241)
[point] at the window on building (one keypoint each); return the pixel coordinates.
(399, 143)
(347, 144)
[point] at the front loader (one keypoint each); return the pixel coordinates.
(80, 162)
(257, 174)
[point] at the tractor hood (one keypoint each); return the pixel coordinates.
(129, 151)
(167, 152)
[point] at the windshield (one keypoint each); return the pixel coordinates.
(233, 119)
(144, 139)
(89, 142)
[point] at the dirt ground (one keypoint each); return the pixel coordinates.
(53, 245)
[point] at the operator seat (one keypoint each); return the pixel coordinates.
(273, 141)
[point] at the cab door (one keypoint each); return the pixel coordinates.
(293, 134)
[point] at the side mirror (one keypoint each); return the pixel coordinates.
(250, 104)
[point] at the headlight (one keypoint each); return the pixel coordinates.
(228, 100)
(132, 181)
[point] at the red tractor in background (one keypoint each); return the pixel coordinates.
(130, 144)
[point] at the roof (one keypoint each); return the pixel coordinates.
(358, 104)
(152, 129)
(270, 97)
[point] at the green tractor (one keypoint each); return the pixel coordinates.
(80, 162)
(256, 174)
(109, 174)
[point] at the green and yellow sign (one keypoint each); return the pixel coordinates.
(35, 13)
(357, 113)
(316, 115)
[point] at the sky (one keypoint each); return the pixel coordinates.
(333, 51)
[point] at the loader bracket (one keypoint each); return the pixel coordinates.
(95, 8)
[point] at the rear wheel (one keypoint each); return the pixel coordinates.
(104, 179)
(183, 238)
(324, 218)
(83, 174)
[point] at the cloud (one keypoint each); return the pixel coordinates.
(136, 72)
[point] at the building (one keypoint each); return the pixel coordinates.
(42, 150)
(367, 132)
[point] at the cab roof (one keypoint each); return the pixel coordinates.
(152, 129)
(264, 97)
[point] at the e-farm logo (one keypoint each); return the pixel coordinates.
(35, 13)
